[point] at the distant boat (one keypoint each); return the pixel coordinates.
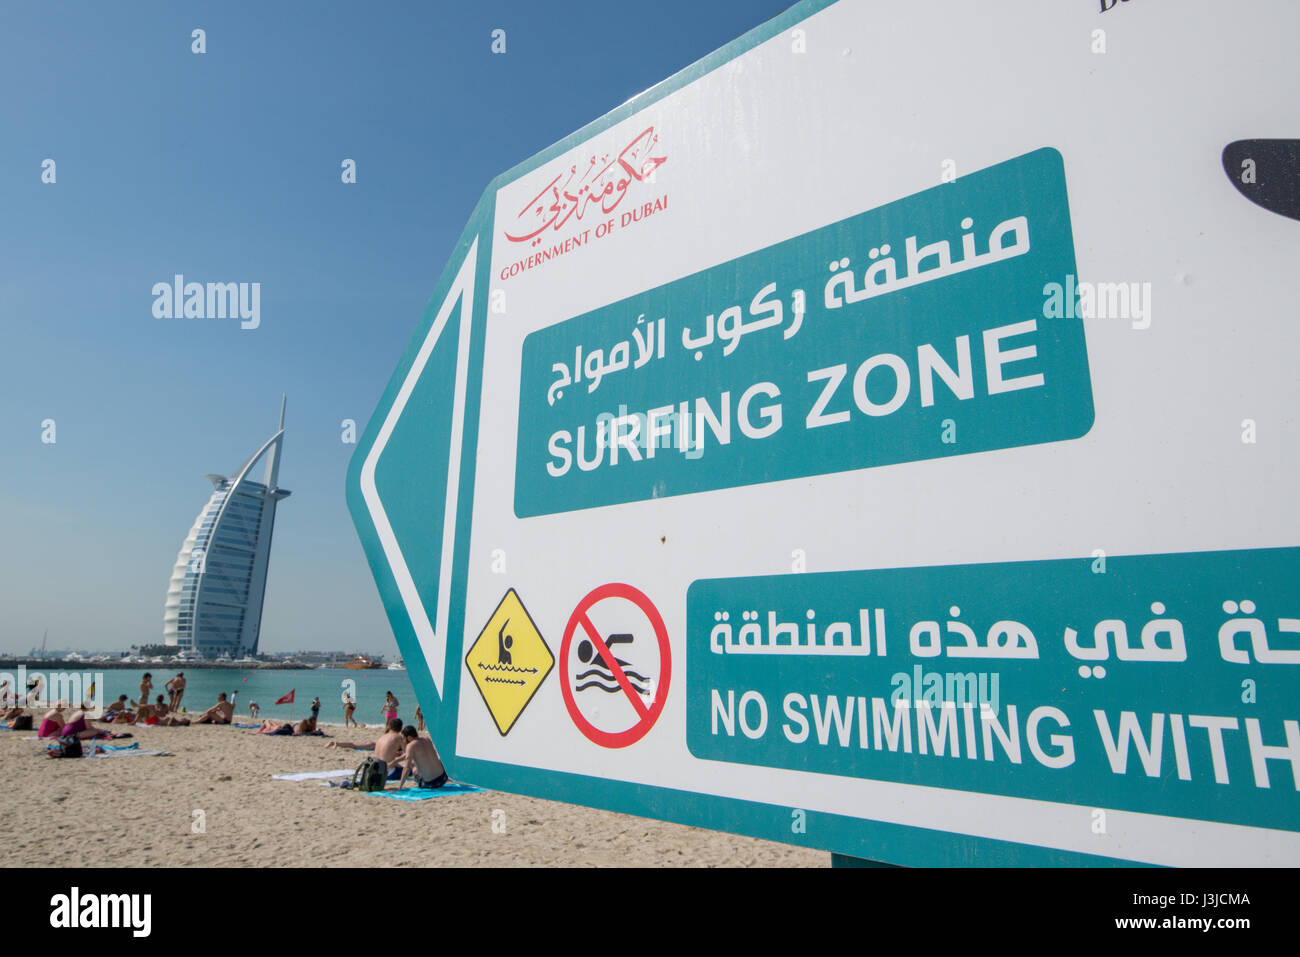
(361, 662)
(396, 666)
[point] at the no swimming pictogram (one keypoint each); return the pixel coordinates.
(617, 665)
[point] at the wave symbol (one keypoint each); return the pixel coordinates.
(504, 681)
(511, 668)
(637, 681)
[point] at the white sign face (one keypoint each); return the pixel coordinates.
(879, 437)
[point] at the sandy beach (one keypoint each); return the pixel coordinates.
(138, 812)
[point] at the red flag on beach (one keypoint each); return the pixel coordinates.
(287, 699)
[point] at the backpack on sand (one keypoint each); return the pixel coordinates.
(372, 775)
(68, 747)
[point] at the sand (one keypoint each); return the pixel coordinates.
(138, 811)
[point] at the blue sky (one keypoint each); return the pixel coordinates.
(225, 167)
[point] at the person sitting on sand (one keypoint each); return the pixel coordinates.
(160, 707)
(52, 723)
(80, 725)
(11, 707)
(116, 709)
(219, 713)
(306, 726)
(422, 762)
(253, 710)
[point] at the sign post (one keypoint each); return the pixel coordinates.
(873, 440)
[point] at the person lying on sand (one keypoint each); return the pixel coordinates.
(387, 749)
(271, 726)
(173, 721)
(422, 762)
(219, 713)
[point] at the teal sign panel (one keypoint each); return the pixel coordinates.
(851, 346)
(1165, 684)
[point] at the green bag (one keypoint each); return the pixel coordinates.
(371, 776)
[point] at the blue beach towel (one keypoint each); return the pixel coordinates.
(423, 794)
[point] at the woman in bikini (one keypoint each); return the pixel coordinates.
(52, 723)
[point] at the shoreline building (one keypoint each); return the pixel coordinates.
(214, 600)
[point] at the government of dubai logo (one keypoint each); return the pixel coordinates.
(589, 189)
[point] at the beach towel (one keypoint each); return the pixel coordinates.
(422, 794)
(313, 775)
(129, 754)
(245, 725)
(118, 747)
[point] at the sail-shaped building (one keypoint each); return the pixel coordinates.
(214, 600)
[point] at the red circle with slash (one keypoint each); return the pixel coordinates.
(646, 716)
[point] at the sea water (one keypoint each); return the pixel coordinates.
(366, 687)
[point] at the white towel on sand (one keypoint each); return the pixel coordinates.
(313, 775)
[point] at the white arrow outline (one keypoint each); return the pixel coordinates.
(433, 641)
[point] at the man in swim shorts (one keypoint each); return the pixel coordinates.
(422, 761)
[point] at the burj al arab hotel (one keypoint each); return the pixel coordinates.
(214, 600)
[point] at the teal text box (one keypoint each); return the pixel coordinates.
(1009, 376)
(1236, 611)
